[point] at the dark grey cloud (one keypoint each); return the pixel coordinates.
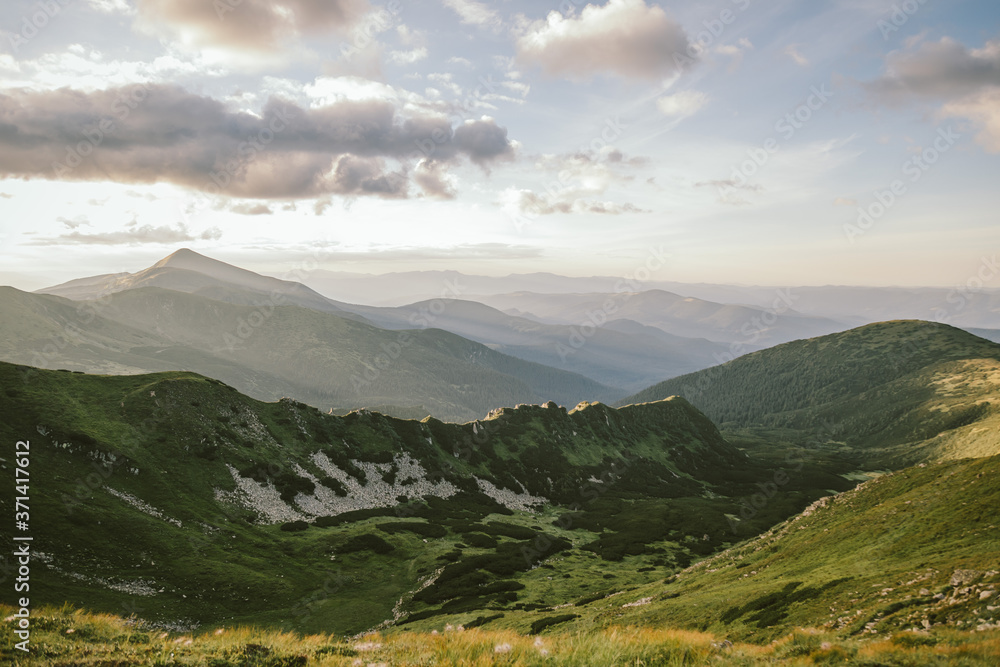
(366, 176)
(146, 134)
(965, 80)
(251, 25)
(483, 141)
(942, 69)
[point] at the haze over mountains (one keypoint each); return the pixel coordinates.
(965, 305)
(578, 345)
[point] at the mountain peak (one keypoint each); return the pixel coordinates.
(185, 258)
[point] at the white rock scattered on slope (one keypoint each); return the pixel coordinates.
(263, 499)
(376, 493)
(142, 506)
(523, 501)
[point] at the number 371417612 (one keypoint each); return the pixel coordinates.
(22, 450)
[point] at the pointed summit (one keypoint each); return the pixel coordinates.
(188, 259)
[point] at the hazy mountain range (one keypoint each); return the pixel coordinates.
(965, 305)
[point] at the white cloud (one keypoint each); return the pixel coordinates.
(792, 51)
(407, 57)
(683, 104)
(112, 7)
(474, 13)
(983, 109)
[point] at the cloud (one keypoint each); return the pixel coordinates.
(727, 190)
(735, 51)
(474, 13)
(527, 203)
(78, 221)
(284, 152)
(966, 80)
(943, 69)
(112, 6)
(983, 109)
(407, 57)
(483, 141)
(576, 183)
(792, 51)
(247, 208)
(845, 201)
(461, 62)
(354, 176)
(248, 25)
(683, 104)
(133, 234)
(434, 180)
(624, 37)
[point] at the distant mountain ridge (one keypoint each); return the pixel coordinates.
(321, 358)
(963, 305)
(611, 357)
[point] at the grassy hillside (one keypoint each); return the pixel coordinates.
(273, 351)
(910, 550)
(87, 640)
(897, 390)
(177, 498)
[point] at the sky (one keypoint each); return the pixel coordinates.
(784, 142)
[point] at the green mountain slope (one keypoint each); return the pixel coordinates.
(909, 550)
(272, 351)
(175, 497)
(908, 390)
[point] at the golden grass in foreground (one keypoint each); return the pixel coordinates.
(63, 637)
